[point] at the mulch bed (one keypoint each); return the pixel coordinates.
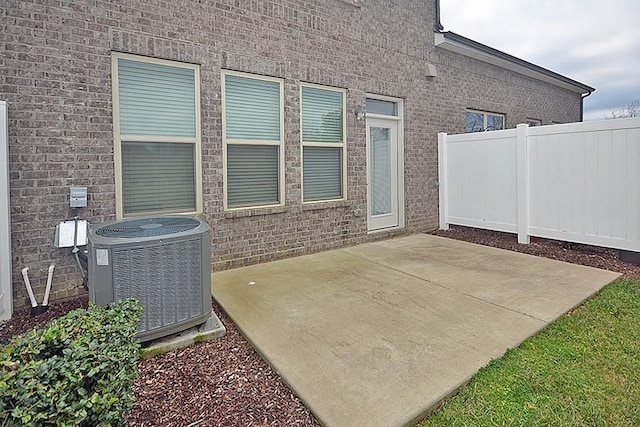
(592, 256)
(225, 382)
(22, 321)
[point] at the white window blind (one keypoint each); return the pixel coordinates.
(253, 140)
(323, 146)
(380, 140)
(252, 108)
(157, 107)
(321, 115)
(322, 173)
(158, 177)
(252, 175)
(156, 99)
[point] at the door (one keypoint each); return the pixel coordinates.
(382, 173)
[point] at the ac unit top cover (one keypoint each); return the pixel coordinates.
(147, 229)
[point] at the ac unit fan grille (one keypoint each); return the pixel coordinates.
(148, 227)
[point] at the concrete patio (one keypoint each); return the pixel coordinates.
(379, 334)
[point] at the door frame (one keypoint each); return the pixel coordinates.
(399, 118)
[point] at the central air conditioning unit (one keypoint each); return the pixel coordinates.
(164, 262)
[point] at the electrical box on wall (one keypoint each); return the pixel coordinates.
(78, 197)
(71, 233)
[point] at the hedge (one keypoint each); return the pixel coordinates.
(77, 371)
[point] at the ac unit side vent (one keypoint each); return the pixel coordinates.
(166, 279)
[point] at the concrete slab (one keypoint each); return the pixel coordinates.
(379, 334)
(212, 328)
(539, 287)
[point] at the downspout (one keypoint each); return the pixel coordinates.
(438, 25)
(584, 95)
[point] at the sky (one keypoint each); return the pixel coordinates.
(596, 42)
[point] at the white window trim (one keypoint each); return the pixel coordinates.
(342, 145)
(533, 122)
(118, 138)
(280, 143)
(484, 118)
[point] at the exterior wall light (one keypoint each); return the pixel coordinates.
(360, 113)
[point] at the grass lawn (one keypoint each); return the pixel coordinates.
(583, 370)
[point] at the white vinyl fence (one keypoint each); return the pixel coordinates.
(6, 293)
(577, 182)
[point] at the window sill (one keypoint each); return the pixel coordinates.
(241, 213)
(197, 214)
(314, 206)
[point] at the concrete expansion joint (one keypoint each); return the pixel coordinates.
(422, 279)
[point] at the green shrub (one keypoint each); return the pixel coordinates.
(77, 371)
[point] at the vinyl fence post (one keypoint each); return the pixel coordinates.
(522, 172)
(442, 181)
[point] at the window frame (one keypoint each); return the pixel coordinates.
(118, 137)
(485, 115)
(533, 122)
(279, 143)
(342, 145)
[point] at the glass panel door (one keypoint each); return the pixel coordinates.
(382, 161)
(380, 157)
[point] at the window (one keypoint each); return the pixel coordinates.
(533, 122)
(323, 143)
(253, 140)
(378, 106)
(479, 121)
(156, 109)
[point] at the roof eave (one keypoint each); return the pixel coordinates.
(456, 43)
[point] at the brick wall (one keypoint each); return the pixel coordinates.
(57, 81)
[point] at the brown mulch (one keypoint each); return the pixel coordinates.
(22, 321)
(225, 382)
(592, 256)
